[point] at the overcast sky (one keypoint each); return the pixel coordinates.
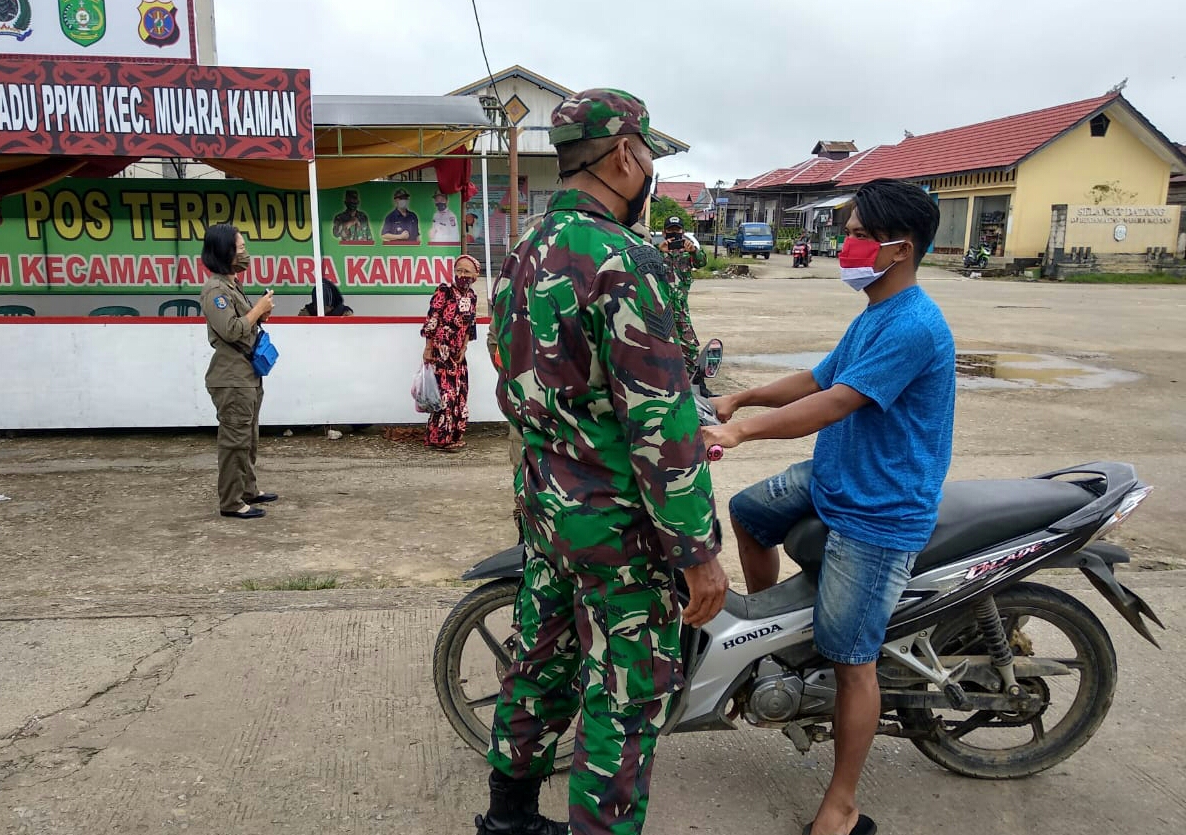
(750, 85)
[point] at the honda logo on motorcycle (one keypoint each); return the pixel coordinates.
(983, 568)
(752, 636)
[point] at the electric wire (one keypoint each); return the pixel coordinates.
(482, 43)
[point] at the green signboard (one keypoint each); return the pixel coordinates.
(145, 236)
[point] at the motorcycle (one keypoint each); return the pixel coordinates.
(801, 254)
(977, 256)
(987, 674)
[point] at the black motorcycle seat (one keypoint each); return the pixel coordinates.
(972, 515)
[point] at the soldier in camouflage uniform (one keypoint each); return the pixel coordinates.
(682, 254)
(614, 484)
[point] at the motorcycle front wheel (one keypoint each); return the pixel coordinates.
(473, 652)
(995, 745)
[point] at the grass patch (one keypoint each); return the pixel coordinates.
(1125, 278)
(305, 582)
(716, 263)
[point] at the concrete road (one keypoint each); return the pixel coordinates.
(313, 712)
(145, 690)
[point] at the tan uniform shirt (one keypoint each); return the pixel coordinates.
(230, 334)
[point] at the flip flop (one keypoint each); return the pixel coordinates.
(865, 826)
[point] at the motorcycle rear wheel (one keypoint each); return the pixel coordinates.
(485, 615)
(1033, 616)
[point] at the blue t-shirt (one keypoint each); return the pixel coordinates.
(878, 474)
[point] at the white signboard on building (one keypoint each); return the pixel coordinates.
(107, 30)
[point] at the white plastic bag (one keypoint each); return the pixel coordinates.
(425, 391)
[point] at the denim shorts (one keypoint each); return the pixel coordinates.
(859, 583)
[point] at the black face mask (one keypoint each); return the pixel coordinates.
(635, 204)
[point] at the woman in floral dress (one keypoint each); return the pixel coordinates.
(447, 334)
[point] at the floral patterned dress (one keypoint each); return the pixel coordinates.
(449, 328)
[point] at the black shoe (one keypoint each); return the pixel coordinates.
(262, 498)
(253, 513)
(535, 825)
(514, 809)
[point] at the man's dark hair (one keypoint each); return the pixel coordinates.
(218, 248)
(891, 209)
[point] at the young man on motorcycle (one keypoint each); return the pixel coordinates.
(883, 403)
(682, 254)
(613, 484)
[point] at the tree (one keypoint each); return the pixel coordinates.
(663, 208)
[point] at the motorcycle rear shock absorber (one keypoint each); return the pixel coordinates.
(988, 621)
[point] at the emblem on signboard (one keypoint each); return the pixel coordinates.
(1120, 232)
(16, 19)
(158, 23)
(83, 21)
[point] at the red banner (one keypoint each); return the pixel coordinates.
(142, 110)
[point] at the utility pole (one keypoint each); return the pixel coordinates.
(717, 210)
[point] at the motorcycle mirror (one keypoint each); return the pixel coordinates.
(711, 356)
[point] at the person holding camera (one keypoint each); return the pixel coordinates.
(682, 254)
(232, 324)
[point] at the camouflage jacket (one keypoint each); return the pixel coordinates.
(680, 266)
(613, 460)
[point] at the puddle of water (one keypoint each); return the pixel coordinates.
(991, 370)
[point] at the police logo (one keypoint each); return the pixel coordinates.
(83, 21)
(158, 23)
(16, 19)
(220, 302)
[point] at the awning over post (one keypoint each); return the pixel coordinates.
(360, 138)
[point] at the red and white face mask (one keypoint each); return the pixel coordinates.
(858, 258)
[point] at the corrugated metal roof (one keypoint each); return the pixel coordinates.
(399, 111)
(683, 193)
(996, 144)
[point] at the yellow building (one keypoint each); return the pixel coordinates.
(997, 181)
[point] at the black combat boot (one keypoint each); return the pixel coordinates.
(514, 809)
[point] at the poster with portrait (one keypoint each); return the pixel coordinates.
(499, 201)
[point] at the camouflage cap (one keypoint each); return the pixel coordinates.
(592, 114)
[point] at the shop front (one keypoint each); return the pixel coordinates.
(99, 277)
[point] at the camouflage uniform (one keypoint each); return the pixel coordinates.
(679, 272)
(614, 488)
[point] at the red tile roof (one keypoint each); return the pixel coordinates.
(999, 143)
(683, 193)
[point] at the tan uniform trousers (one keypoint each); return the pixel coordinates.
(238, 440)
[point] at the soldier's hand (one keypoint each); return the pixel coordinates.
(707, 585)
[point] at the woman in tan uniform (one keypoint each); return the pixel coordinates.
(232, 323)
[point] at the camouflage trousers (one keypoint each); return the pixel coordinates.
(684, 332)
(599, 643)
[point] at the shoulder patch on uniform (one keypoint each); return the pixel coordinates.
(646, 258)
(660, 323)
(220, 302)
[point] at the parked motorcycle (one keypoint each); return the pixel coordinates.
(801, 254)
(977, 256)
(985, 674)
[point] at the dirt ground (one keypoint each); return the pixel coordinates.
(119, 512)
